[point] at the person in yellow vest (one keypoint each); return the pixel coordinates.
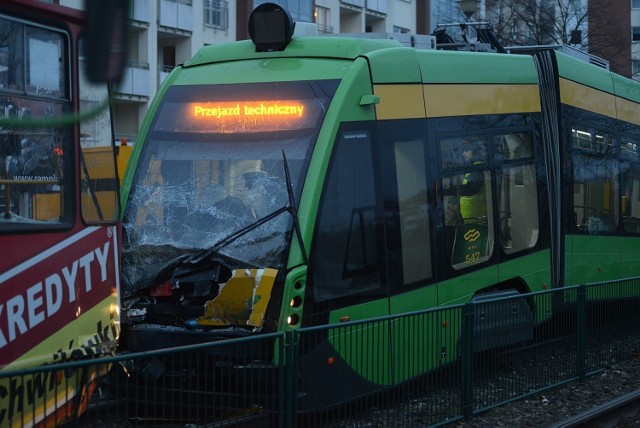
(466, 214)
(472, 192)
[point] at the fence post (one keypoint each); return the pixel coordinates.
(289, 417)
(582, 332)
(468, 322)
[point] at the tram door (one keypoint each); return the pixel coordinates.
(407, 200)
(348, 278)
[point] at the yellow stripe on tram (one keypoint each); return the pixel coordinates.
(587, 98)
(465, 99)
(399, 101)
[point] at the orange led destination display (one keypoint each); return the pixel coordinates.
(249, 109)
(249, 116)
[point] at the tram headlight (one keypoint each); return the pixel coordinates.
(293, 320)
(295, 302)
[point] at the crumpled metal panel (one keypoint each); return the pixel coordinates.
(242, 300)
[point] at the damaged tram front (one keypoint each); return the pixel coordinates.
(210, 209)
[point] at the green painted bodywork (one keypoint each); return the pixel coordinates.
(263, 70)
(345, 107)
(538, 274)
(626, 88)
(629, 257)
(603, 258)
(446, 67)
(579, 71)
(303, 47)
(398, 65)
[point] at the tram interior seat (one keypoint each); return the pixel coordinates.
(631, 224)
(596, 224)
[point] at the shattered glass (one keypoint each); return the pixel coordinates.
(185, 209)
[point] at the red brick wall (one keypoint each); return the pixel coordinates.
(610, 33)
(243, 10)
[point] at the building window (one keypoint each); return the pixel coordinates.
(402, 30)
(635, 34)
(576, 37)
(300, 10)
(635, 69)
(635, 4)
(323, 19)
(216, 14)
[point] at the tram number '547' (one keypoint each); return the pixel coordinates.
(472, 258)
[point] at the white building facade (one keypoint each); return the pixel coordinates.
(165, 33)
(635, 39)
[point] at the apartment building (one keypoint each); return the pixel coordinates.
(614, 34)
(635, 39)
(164, 33)
(447, 11)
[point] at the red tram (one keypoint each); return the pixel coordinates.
(59, 231)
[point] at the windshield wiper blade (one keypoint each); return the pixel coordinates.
(293, 210)
(198, 257)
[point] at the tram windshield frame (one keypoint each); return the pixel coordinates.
(193, 188)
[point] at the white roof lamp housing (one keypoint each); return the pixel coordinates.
(468, 7)
(270, 27)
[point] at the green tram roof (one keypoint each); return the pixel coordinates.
(318, 47)
(391, 62)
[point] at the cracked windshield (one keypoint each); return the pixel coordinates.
(214, 165)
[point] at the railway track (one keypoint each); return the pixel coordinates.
(621, 412)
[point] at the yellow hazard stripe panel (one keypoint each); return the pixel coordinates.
(584, 97)
(460, 100)
(399, 101)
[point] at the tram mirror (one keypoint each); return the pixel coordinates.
(105, 39)
(270, 27)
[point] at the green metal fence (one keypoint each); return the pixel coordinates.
(427, 368)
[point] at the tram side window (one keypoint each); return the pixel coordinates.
(34, 164)
(99, 176)
(467, 200)
(595, 182)
(345, 253)
(414, 210)
(45, 65)
(518, 194)
(630, 190)
(11, 55)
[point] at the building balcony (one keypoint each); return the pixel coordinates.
(163, 73)
(352, 4)
(140, 13)
(176, 16)
(324, 29)
(135, 83)
(378, 6)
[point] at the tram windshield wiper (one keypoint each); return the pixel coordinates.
(290, 207)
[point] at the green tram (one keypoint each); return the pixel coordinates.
(285, 182)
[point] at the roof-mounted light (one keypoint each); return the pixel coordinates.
(270, 27)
